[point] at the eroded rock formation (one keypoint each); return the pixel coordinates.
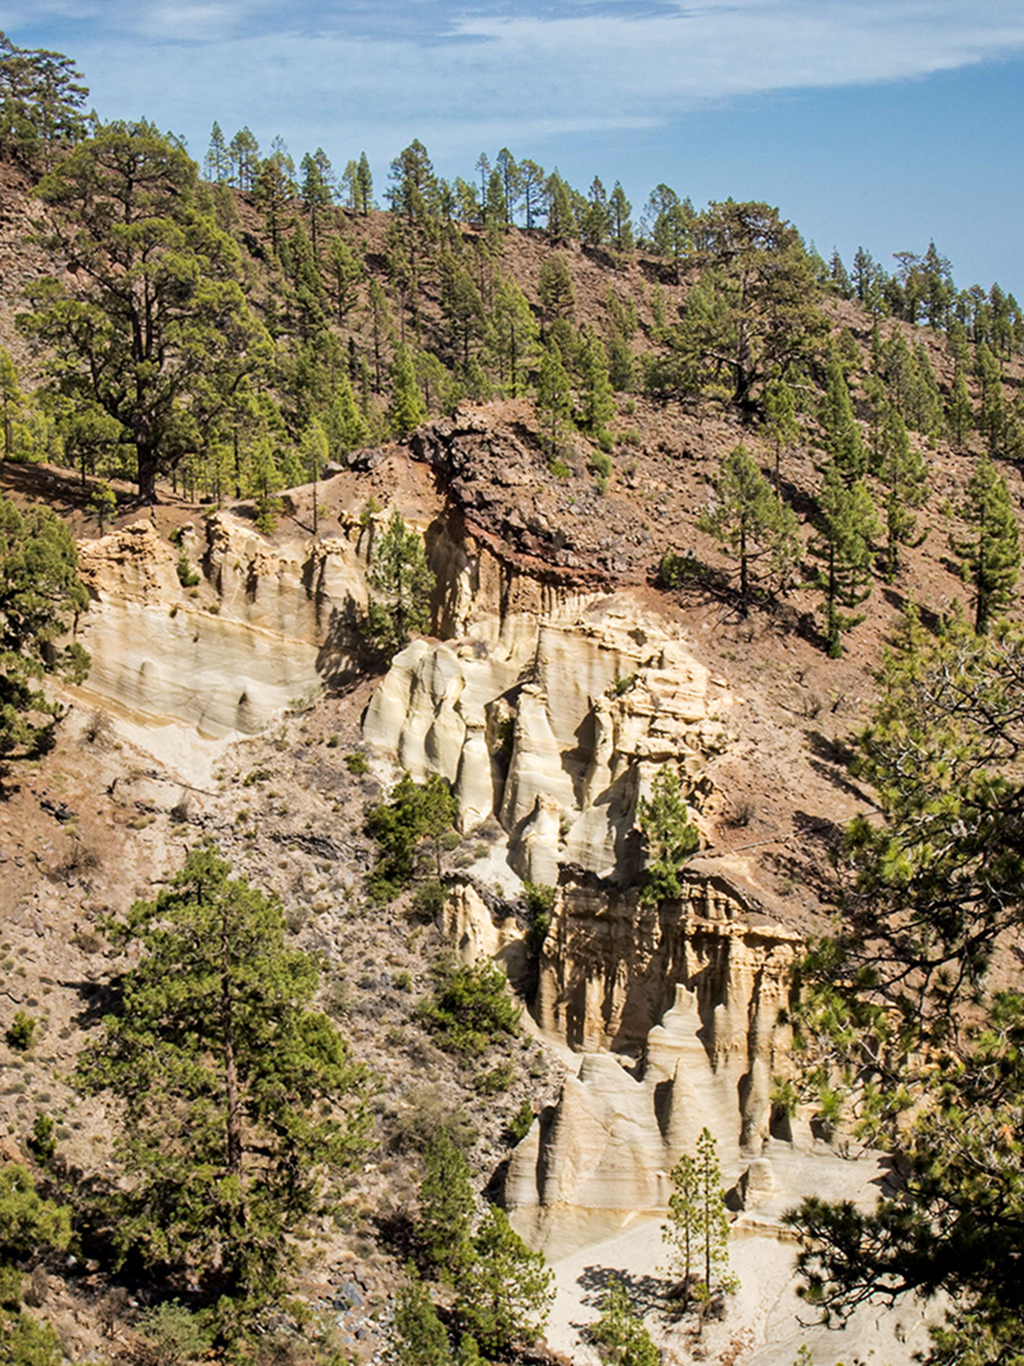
(555, 726)
(268, 625)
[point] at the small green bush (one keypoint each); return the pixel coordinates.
(355, 762)
(187, 576)
(675, 570)
(42, 1141)
(519, 1124)
(560, 469)
(540, 901)
(496, 1080)
(428, 900)
(173, 1336)
(21, 1031)
(471, 1008)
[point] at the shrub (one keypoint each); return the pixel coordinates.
(428, 900)
(21, 1032)
(675, 570)
(355, 762)
(540, 901)
(493, 1082)
(413, 814)
(187, 576)
(519, 1124)
(471, 1008)
(42, 1141)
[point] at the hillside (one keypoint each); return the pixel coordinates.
(561, 462)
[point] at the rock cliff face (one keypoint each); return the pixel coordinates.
(268, 624)
(554, 726)
(676, 1012)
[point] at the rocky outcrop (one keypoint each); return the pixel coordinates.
(555, 726)
(267, 625)
(603, 1155)
(676, 1012)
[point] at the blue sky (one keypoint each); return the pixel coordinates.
(880, 122)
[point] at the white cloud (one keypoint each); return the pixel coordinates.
(326, 72)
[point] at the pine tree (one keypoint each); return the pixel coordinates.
(682, 1231)
(749, 521)
(41, 597)
(364, 186)
(512, 338)
(344, 273)
(154, 325)
(505, 1296)
(555, 287)
(316, 451)
(238, 1101)
(846, 527)
(344, 424)
(842, 438)
(598, 399)
(904, 476)
(714, 1221)
(317, 193)
(401, 583)
(11, 400)
(992, 413)
(780, 417)
(244, 152)
(533, 182)
(561, 224)
(554, 396)
(29, 1225)
(619, 209)
(698, 1226)
(619, 1334)
(990, 556)
(496, 205)
(959, 412)
(670, 837)
(422, 1340)
(446, 1209)
(407, 409)
(218, 160)
(511, 182)
(382, 329)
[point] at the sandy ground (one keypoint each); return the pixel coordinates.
(766, 1324)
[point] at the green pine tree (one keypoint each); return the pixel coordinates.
(619, 1334)
(29, 1225)
(959, 412)
(598, 398)
(238, 1102)
(422, 1340)
(846, 527)
(345, 425)
(401, 583)
(749, 521)
(41, 597)
(904, 477)
(505, 1296)
(512, 337)
(670, 837)
(316, 451)
(446, 1209)
(842, 438)
(407, 410)
(990, 555)
(554, 396)
(783, 427)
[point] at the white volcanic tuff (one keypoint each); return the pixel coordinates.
(556, 728)
(282, 622)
